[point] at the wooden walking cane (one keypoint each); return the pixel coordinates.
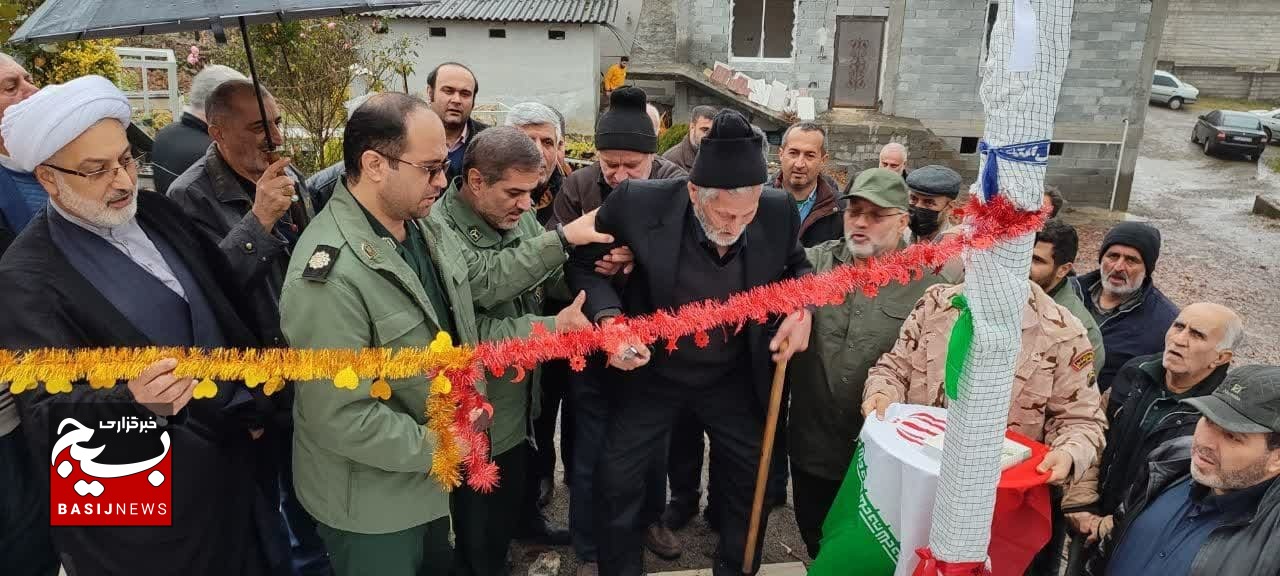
(766, 458)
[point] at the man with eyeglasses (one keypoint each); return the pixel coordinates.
(253, 206)
(374, 271)
(107, 266)
(847, 339)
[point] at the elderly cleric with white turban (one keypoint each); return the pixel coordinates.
(108, 266)
(84, 118)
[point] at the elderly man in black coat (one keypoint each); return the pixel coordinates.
(107, 266)
(714, 234)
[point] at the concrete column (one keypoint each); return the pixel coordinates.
(893, 54)
(1138, 108)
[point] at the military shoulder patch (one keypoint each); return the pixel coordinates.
(1082, 360)
(320, 263)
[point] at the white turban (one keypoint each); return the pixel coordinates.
(36, 128)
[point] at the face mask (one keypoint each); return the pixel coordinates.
(924, 222)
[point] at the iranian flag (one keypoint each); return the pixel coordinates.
(883, 511)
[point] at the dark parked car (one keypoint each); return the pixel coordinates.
(1229, 131)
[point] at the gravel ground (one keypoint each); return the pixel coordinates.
(1214, 250)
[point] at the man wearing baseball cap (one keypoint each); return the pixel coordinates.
(826, 380)
(1215, 510)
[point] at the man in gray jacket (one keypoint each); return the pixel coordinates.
(1215, 510)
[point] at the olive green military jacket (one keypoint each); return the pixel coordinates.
(515, 404)
(360, 463)
(827, 379)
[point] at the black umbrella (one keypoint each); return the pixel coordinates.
(61, 20)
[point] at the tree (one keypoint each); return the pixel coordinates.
(309, 67)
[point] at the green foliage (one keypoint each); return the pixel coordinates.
(309, 66)
(672, 137)
(1274, 163)
(579, 146)
(332, 153)
(159, 118)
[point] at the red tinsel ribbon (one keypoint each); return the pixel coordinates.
(930, 566)
(991, 223)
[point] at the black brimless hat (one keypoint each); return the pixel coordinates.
(729, 155)
(626, 124)
(1144, 238)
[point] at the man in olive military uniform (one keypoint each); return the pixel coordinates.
(846, 341)
(370, 271)
(493, 213)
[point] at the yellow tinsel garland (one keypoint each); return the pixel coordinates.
(270, 368)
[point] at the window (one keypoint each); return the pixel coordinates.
(1244, 121)
(1164, 81)
(762, 28)
(497, 32)
(436, 32)
(1055, 148)
(555, 34)
(969, 145)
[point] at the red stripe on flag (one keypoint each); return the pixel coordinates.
(910, 437)
(939, 421)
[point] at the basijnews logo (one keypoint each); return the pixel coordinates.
(110, 472)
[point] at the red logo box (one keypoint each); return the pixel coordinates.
(112, 472)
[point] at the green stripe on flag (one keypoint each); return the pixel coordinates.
(855, 539)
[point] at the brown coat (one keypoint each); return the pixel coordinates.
(682, 154)
(585, 190)
(1055, 399)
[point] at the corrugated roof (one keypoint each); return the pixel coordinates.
(555, 11)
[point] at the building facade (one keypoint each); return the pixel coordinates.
(909, 71)
(549, 51)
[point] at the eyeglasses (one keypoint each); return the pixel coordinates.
(106, 174)
(431, 170)
(876, 217)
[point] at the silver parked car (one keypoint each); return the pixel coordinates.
(1270, 122)
(1167, 89)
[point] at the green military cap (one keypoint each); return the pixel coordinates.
(880, 186)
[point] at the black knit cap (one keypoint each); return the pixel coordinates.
(1144, 238)
(729, 155)
(626, 124)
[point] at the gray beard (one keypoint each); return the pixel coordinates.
(715, 237)
(96, 212)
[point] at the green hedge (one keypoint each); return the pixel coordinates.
(672, 136)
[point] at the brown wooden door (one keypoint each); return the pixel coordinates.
(859, 44)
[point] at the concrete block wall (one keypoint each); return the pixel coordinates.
(1107, 39)
(1236, 33)
(939, 74)
(1084, 172)
(1222, 82)
(657, 40)
(938, 67)
(813, 40)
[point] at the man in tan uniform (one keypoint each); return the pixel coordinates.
(1055, 399)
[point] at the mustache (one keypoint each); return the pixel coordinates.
(1205, 454)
